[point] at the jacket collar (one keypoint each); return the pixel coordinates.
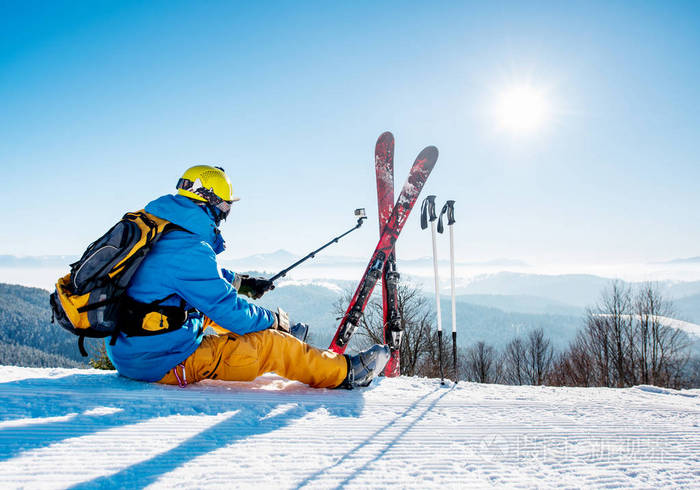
(181, 211)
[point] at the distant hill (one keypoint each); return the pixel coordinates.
(498, 327)
(496, 319)
(281, 259)
(679, 290)
(314, 305)
(25, 321)
(688, 308)
(275, 261)
(428, 262)
(521, 304)
(534, 290)
(578, 290)
(689, 260)
(37, 261)
(21, 355)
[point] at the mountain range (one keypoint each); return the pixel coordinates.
(268, 262)
(493, 307)
(37, 261)
(282, 258)
(27, 336)
(689, 260)
(528, 291)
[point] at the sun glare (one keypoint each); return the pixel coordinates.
(521, 109)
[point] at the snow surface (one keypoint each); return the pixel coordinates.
(687, 327)
(92, 429)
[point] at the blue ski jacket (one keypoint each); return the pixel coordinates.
(183, 264)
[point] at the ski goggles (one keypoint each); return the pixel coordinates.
(207, 194)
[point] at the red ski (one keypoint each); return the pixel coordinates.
(384, 166)
(419, 173)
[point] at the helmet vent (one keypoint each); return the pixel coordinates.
(209, 175)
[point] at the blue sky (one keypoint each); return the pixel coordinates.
(104, 104)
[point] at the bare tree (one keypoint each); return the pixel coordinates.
(574, 367)
(595, 340)
(417, 342)
(660, 352)
(615, 313)
(538, 357)
(513, 362)
(481, 364)
(608, 336)
(627, 339)
(692, 377)
(429, 364)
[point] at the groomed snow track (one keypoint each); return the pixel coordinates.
(87, 429)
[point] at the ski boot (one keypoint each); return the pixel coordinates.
(300, 331)
(363, 367)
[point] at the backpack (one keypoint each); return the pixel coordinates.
(91, 299)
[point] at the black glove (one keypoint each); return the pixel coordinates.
(254, 287)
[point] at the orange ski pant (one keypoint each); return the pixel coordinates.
(232, 357)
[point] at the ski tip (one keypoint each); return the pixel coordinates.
(429, 153)
(431, 149)
(385, 138)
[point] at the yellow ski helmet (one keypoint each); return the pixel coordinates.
(207, 184)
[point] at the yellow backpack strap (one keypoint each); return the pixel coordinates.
(151, 226)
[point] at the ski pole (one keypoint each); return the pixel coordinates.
(428, 214)
(360, 213)
(449, 208)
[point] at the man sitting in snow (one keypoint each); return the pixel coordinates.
(180, 275)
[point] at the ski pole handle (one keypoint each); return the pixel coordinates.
(450, 212)
(449, 209)
(427, 211)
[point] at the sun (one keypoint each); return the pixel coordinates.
(521, 109)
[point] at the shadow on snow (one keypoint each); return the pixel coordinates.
(261, 407)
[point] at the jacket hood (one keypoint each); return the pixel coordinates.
(183, 212)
